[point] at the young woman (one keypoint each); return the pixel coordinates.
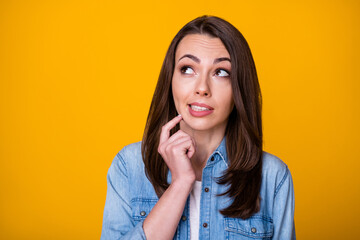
(200, 171)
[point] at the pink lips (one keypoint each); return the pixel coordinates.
(200, 113)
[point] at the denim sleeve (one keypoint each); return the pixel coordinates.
(283, 211)
(117, 221)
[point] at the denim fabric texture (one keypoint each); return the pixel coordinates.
(130, 198)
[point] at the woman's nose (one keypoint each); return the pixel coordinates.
(202, 87)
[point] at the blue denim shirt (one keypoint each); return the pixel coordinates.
(130, 198)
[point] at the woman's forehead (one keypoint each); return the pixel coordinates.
(201, 45)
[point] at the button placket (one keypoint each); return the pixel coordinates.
(205, 205)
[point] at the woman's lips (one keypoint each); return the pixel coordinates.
(199, 109)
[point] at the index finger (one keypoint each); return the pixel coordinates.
(165, 132)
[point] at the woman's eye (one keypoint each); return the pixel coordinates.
(187, 70)
(222, 73)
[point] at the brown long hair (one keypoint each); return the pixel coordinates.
(244, 128)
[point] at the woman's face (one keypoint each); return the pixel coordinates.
(201, 83)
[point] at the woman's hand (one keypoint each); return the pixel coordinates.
(177, 151)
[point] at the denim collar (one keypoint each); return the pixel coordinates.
(219, 154)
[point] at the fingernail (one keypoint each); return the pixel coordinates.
(179, 115)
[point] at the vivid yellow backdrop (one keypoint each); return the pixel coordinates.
(76, 81)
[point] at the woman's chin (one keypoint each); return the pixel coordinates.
(194, 125)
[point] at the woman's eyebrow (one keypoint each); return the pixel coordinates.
(221, 59)
(197, 60)
(192, 57)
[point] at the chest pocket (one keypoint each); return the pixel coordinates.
(141, 208)
(256, 227)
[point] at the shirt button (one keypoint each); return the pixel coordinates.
(142, 213)
(206, 189)
(253, 230)
(183, 218)
(205, 225)
(212, 159)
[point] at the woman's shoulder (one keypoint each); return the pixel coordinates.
(129, 157)
(128, 169)
(272, 163)
(274, 169)
(131, 150)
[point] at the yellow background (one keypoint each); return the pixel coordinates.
(77, 78)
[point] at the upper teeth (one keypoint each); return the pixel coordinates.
(197, 108)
